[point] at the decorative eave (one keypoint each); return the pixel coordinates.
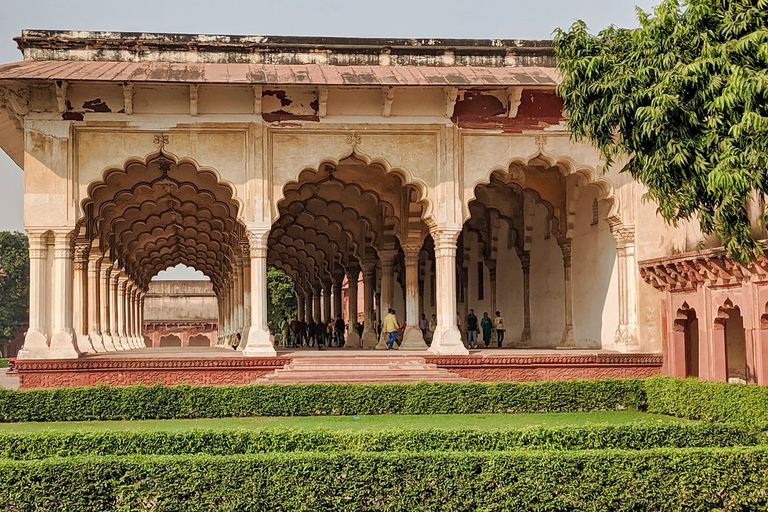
(712, 267)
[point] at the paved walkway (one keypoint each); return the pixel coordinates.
(8, 381)
(218, 352)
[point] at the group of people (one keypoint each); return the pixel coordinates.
(325, 334)
(316, 334)
(487, 325)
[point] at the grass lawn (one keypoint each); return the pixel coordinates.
(377, 422)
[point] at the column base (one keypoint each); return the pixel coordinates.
(447, 341)
(382, 343)
(413, 339)
(63, 346)
(96, 342)
(35, 342)
(567, 342)
(109, 344)
(625, 340)
(369, 340)
(84, 343)
(257, 344)
(525, 338)
(353, 340)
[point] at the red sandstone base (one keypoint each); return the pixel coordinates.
(123, 371)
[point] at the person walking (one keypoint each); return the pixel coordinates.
(487, 326)
(311, 327)
(423, 325)
(390, 327)
(498, 323)
(472, 329)
(339, 327)
(432, 328)
(320, 334)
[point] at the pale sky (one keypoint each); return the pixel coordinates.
(484, 19)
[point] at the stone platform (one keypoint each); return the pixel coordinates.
(217, 366)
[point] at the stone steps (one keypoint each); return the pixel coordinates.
(359, 369)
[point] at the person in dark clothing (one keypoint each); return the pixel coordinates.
(320, 334)
(303, 333)
(339, 331)
(311, 326)
(472, 329)
(486, 324)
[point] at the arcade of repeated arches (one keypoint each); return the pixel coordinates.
(431, 177)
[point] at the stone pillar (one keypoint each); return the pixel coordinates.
(369, 329)
(525, 337)
(353, 338)
(141, 317)
(317, 306)
(327, 288)
(387, 261)
(134, 314)
(105, 305)
(129, 314)
(36, 339)
(121, 281)
(491, 264)
(80, 298)
(300, 302)
(337, 284)
(447, 338)
(308, 306)
(114, 275)
(567, 341)
(257, 342)
(246, 284)
(626, 333)
(94, 294)
(239, 297)
(62, 338)
(413, 339)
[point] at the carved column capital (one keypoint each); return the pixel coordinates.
(257, 242)
(624, 235)
(15, 102)
(445, 241)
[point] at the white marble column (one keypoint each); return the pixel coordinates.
(447, 338)
(413, 338)
(246, 284)
(387, 262)
(568, 341)
(239, 299)
(80, 298)
(122, 280)
(114, 308)
(317, 304)
(257, 341)
(369, 328)
(94, 292)
(141, 318)
(525, 337)
(300, 303)
(130, 327)
(36, 339)
(308, 306)
(337, 284)
(63, 344)
(105, 305)
(327, 289)
(353, 338)
(626, 334)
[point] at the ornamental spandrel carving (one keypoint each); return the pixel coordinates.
(15, 102)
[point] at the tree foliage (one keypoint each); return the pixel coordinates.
(282, 300)
(14, 283)
(685, 98)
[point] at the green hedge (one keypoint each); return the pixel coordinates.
(664, 479)
(184, 401)
(4, 362)
(235, 442)
(711, 401)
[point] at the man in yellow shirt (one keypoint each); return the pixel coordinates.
(390, 326)
(498, 324)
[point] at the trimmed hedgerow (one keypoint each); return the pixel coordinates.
(234, 442)
(663, 479)
(185, 401)
(711, 401)
(4, 362)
